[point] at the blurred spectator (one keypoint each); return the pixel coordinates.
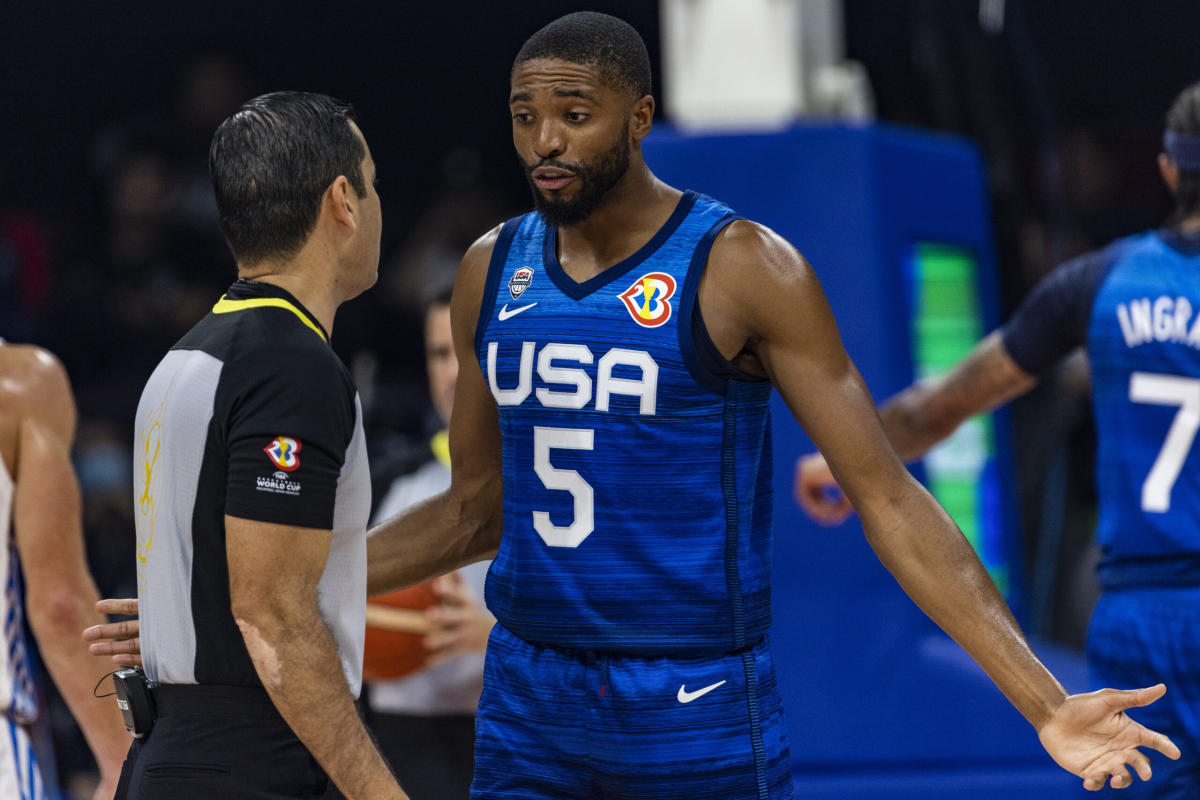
(25, 273)
(425, 721)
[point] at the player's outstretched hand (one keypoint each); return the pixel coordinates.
(818, 493)
(458, 623)
(118, 640)
(1090, 736)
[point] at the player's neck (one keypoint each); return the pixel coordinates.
(630, 214)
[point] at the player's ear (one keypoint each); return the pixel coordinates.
(641, 118)
(1169, 172)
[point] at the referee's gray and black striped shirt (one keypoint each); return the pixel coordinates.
(250, 414)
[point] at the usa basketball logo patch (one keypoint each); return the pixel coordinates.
(519, 282)
(648, 299)
(283, 452)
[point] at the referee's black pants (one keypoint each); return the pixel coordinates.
(220, 743)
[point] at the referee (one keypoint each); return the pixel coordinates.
(251, 484)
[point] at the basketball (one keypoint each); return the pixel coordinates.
(394, 644)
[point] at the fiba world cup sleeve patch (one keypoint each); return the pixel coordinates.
(286, 440)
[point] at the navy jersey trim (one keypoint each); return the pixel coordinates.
(756, 736)
(495, 272)
(703, 360)
(578, 291)
(1186, 243)
(1054, 319)
(733, 581)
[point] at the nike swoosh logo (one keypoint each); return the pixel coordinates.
(685, 696)
(506, 314)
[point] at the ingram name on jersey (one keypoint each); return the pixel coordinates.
(1144, 347)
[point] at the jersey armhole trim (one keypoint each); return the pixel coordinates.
(704, 361)
(495, 271)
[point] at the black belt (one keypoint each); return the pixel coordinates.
(194, 699)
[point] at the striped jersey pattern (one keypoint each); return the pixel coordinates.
(636, 478)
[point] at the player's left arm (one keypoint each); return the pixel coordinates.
(763, 304)
(60, 595)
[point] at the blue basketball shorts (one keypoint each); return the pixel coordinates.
(564, 725)
(1143, 637)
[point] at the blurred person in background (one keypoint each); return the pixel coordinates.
(46, 579)
(1135, 306)
(424, 721)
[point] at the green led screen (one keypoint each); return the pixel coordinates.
(947, 322)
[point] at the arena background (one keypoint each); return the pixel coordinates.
(108, 250)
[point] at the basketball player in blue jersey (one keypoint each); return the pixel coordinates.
(1135, 306)
(609, 449)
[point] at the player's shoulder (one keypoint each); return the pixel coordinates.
(479, 254)
(31, 371)
(746, 250)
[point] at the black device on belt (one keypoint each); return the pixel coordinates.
(135, 700)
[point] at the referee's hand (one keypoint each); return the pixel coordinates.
(118, 640)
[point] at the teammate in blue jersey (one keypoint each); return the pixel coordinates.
(609, 449)
(1135, 306)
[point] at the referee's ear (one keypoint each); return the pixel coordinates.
(341, 205)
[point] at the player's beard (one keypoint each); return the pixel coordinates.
(594, 178)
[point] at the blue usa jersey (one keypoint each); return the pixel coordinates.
(1144, 347)
(636, 475)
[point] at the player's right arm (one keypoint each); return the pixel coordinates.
(920, 416)
(273, 575)
(462, 524)
(60, 595)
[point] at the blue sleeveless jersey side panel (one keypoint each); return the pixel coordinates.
(636, 500)
(1144, 348)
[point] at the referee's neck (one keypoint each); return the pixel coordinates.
(315, 291)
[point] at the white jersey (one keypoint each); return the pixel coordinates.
(17, 695)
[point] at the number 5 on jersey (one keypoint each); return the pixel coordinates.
(566, 480)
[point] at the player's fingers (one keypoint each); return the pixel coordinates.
(1094, 781)
(127, 660)
(1158, 741)
(124, 606)
(1140, 763)
(1121, 699)
(107, 648)
(441, 641)
(125, 629)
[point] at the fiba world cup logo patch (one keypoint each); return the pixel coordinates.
(648, 299)
(283, 452)
(519, 282)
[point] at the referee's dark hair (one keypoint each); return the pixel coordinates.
(597, 40)
(272, 161)
(1184, 117)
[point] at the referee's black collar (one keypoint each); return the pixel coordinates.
(244, 289)
(1185, 242)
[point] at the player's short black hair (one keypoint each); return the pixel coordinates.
(270, 164)
(610, 45)
(1184, 117)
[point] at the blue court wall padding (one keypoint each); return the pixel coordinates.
(874, 692)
